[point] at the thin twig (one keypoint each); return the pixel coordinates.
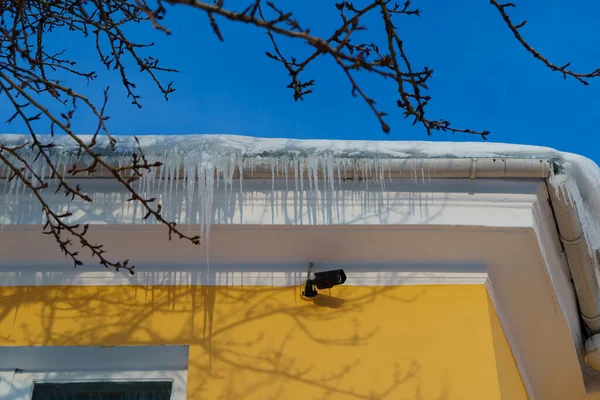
(564, 70)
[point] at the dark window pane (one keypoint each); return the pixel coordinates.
(150, 390)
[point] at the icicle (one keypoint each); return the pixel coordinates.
(429, 171)
(139, 183)
(365, 164)
(64, 168)
(210, 186)
(218, 173)
(178, 176)
(315, 170)
(272, 162)
(296, 173)
(295, 205)
(302, 194)
(339, 177)
(414, 171)
(286, 167)
(231, 171)
(191, 180)
(28, 175)
(346, 171)
(309, 174)
(171, 176)
(331, 172)
(241, 201)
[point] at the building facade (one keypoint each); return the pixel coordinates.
(458, 284)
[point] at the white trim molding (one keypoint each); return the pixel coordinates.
(22, 367)
(510, 335)
(274, 275)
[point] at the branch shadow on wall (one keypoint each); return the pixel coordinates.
(246, 342)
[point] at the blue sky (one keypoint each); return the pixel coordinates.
(482, 79)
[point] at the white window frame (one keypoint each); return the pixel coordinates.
(25, 381)
(96, 364)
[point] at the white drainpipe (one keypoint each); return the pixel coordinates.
(583, 264)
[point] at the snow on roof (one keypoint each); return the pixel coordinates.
(579, 176)
(226, 145)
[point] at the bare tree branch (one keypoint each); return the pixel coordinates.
(26, 66)
(56, 225)
(351, 58)
(33, 66)
(564, 70)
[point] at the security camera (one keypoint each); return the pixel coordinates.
(322, 280)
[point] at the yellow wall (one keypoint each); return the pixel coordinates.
(405, 342)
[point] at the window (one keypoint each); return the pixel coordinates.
(107, 390)
(94, 373)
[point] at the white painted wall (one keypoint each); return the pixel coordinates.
(276, 202)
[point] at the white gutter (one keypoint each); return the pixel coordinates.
(457, 168)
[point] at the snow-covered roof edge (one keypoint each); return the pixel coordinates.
(226, 145)
(581, 183)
